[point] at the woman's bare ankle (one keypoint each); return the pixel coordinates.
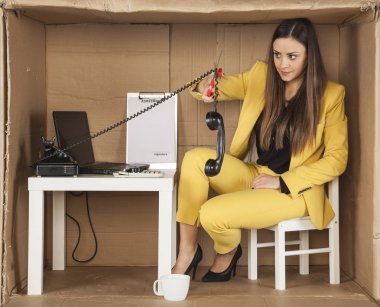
(185, 256)
(188, 248)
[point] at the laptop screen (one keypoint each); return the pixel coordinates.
(71, 127)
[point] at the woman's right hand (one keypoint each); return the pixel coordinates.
(203, 87)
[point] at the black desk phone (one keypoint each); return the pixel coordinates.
(55, 161)
(53, 154)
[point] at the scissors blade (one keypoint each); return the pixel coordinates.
(217, 63)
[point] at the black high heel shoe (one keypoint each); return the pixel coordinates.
(226, 274)
(194, 263)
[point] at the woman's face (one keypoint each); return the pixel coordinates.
(289, 57)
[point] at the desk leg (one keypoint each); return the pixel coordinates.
(166, 232)
(59, 223)
(174, 227)
(36, 242)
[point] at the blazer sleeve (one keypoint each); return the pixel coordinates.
(334, 159)
(234, 87)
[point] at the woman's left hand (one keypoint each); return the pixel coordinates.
(265, 181)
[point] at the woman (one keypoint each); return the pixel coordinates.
(298, 120)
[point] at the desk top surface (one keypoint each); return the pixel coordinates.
(104, 183)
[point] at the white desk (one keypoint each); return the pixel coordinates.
(166, 186)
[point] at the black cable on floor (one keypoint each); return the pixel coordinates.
(79, 231)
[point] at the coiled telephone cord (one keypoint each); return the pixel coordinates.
(99, 133)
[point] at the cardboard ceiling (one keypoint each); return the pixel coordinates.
(196, 11)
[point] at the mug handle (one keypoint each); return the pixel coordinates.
(156, 287)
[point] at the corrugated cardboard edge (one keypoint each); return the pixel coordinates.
(376, 165)
(183, 6)
(5, 164)
(2, 135)
(171, 11)
(4, 152)
(24, 127)
(376, 196)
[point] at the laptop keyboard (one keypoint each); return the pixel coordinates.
(96, 171)
(145, 173)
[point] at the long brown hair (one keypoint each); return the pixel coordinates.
(302, 112)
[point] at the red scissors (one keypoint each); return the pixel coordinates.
(218, 74)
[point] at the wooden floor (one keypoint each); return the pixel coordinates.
(132, 286)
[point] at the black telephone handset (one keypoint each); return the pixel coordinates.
(214, 121)
(52, 154)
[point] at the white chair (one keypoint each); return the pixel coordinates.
(303, 225)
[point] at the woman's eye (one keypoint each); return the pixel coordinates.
(276, 55)
(292, 57)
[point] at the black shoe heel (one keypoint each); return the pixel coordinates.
(194, 271)
(226, 274)
(194, 263)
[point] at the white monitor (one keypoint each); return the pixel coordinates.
(152, 136)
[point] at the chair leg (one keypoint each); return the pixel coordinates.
(252, 254)
(280, 259)
(334, 254)
(304, 259)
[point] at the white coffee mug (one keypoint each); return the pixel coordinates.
(174, 287)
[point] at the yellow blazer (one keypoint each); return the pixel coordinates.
(317, 163)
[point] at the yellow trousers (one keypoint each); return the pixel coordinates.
(238, 205)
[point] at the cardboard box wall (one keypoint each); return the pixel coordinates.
(92, 66)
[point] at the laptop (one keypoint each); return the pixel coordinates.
(71, 127)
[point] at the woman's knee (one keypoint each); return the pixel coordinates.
(211, 218)
(199, 153)
(197, 157)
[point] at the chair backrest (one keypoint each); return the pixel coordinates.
(333, 195)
